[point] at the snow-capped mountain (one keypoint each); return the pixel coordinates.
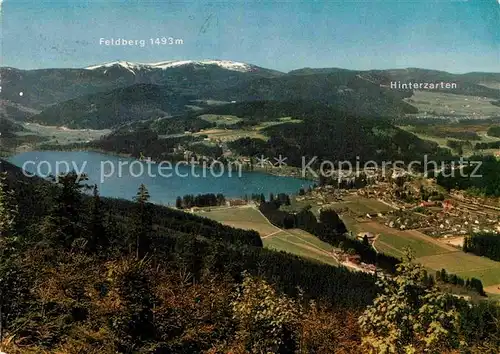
(45, 87)
(134, 67)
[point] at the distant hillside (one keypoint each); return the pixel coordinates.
(9, 128)
(473, 84)
(290, 94)
(491, 80)
(90, 97)
(321, 131)
(15, 111)
(336, 136)
(113, 108)
(44, 87)
(342, 89)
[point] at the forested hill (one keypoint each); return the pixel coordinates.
(37, 200)
(344, 90)
(81, 274)
(474, 84)
(113, 108)
(99, 97)
(45, 87)
(325, 132)
(146, 101)
(29, 189)
(8, 128)
(312, 129)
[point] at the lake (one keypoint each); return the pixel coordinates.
(119, 177)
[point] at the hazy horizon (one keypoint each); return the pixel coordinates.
(453, 36)
(271, 68)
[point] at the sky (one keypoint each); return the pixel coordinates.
(452, 35)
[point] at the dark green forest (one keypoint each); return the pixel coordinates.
(85, 274)
(494, 131)
(478, 177)
(483, 244)
(325, 133)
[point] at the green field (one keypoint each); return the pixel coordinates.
(221, 132)
(394, 245)
(246, 218)
(447, 103)
(298, 205)
(434, 254)
(230, 134)
(302, 244)
(351, 224)
(465, 265)
(431, 253)
(392, 241)
(295, 245)
(361, 206)
(279, 121)
(63, 135)
(220, 119)
(442, 142)
(293, 241)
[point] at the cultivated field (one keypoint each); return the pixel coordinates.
(302, 244)
(393, 241)
(246, 218)
(361, 206)
(357, 205)
(219, 119)
(63, 135)
(352, 224)
(230, 134)
(225, 134)
(465, 265)
(433, 254)
(279, 121)
(446, 103)
(293, 241)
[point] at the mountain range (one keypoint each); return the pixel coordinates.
(107, 95)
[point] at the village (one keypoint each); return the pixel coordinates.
(392, 212)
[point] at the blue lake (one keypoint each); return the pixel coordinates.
(119, 177)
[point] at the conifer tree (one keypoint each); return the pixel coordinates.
(178, 203)
(366, 243)
(143, 222)
(97, 237)
(63, 225)
(8, 212)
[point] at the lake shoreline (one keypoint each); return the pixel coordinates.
(279, 172)
(119, 176)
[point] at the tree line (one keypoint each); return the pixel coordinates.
(331, 229)
(487, 145)
(485, 244)
(200, 200)
(480, 177)
(81, 273)
(494, 131)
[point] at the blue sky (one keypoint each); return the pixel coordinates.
(452, 35)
